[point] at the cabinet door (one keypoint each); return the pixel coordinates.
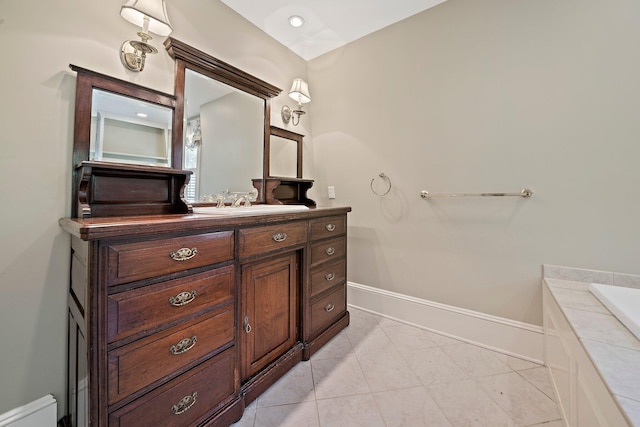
(269, 315)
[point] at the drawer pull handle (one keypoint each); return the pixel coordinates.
(329, 277)
(184, 404)
(329, 307)
(330, 251)
(184, 345)
(247, 326)
(330, 227)
(183, 254)
(183, 298)
(279, 237)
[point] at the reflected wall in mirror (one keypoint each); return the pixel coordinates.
(128, 130)
(223, 137)
(285, 153)
(221, 125)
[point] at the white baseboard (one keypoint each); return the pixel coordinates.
(39, 413)
(507, 336)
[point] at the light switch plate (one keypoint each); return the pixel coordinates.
(332, 191)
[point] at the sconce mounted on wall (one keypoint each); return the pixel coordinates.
(151, 16)
(299, 92)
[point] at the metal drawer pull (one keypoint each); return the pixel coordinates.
(183, 298)
(330, 227)
(184, 404)
(279, 237)
(329, 307)
(183, 254)
(184, 345)
(247, 326)
(330, 251)
(329, 277)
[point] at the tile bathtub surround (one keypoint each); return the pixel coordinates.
(590, 276)
(379, 372)
(612, 348)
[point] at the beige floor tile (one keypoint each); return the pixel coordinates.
(295, 387)
(405, 337)
(350, 411)
(540, 378)
(515, 363)
(296, 415)
(387, 371)
(410, 407)
(373, 341)
(433, 366)
(510, 391)
(338, 377)
(339, 346)
(464, 403)
(475, 361)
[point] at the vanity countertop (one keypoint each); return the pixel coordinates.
(111, 227)
(612, 348)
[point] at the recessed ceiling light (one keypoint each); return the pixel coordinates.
(296, 21)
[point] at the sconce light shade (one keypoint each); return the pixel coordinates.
(135, 11)
(151, 16)
(300, 91)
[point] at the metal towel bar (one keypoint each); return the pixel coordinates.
(525, 192)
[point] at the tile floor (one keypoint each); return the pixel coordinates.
(379, 372)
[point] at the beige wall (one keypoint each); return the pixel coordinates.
(476, 96)
(40, 39)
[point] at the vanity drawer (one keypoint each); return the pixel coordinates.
(143, 362)
(327, 275)
(328, 308)
(327, 227)
(127, 262)
(328, 249)
(257, 240)
(146, 308)
(185, 400)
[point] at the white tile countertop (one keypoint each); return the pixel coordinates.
(612, 348)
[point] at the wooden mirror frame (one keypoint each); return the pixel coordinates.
(86, 82)
(188, 57)
(286, 134)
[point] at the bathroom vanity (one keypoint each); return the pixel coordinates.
(180, 320)
(182, 313)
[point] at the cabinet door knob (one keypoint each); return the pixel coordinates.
(247, 325)
(329, 277)
(329, 307)
(330, 251)
(183, 254)
(184, 404)
(330, 227)
(184, 345)
(279, 237)
(183, 298)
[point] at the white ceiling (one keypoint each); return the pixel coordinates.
(329, 24)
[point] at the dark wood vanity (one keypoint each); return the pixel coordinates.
(179, 316)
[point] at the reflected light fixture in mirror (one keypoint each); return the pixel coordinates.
(151, 16)
(299, 92)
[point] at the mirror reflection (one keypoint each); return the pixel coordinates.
(283, 157)
(223, 137)
(128, 130)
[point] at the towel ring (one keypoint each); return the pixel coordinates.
(386, 178)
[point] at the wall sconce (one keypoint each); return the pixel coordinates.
(150, 15)
(299, 92)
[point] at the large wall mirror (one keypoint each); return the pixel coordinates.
(221, 124)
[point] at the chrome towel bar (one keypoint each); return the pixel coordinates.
(525, 192)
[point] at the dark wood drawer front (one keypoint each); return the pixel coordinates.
(327, 250)
(146, 308)
(185, 400)
(264, 239)
(327, 275)
(134, 261)
(328, 308)
(143, 362)
(328, 227)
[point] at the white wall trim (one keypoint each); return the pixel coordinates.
(39, 413)
(507, 336)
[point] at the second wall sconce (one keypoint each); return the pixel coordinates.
(300, 93)
(151, 16)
